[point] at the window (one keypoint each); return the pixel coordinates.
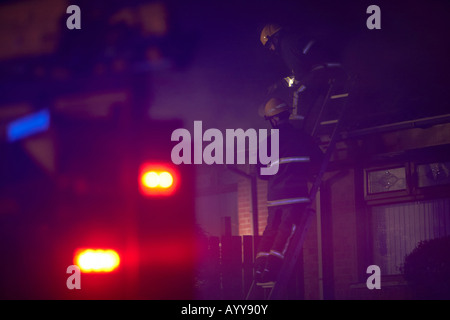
(386, 180)
(433, 174)
(398, 228)
(407, 204)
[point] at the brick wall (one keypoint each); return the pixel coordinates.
(344, 234)
(262, 205)
(311, 263)
(245, 206)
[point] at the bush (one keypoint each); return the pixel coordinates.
(427, 269)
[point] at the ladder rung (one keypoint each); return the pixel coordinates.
(323, 123)
(297, 116)
(266, 285)
(338, 96)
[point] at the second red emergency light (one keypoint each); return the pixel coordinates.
(97, 260)
(157, 179)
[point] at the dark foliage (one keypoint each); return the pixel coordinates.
(427, 269)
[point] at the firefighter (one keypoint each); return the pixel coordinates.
(312, 66)
(287, 195)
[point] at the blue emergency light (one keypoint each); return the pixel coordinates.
(28, 125)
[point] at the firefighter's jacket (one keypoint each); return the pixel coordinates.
(299, 160)
(304, 54)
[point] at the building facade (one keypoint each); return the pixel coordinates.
(385, 190)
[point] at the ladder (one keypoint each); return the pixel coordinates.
(322, 125)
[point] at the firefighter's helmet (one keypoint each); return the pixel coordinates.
(274, 107)
(268, 31)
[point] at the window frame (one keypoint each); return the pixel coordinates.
(388, 196)
(412, 192)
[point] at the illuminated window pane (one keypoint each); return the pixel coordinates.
(387, 180)
(432, 174)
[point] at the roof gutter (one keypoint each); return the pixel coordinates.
(404, 125)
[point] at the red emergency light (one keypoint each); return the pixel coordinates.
(96, 260)
(157, 179)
